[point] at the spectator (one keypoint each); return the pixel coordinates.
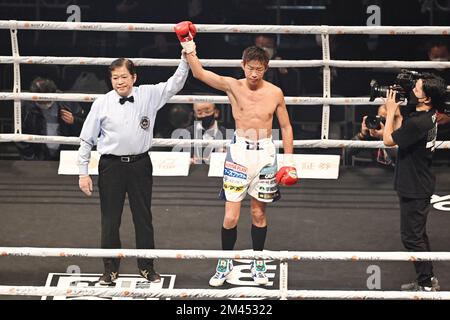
(439, 51)
(383, 156)
(49, 118)
(206, 127)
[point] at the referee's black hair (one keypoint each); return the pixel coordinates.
(120, 63)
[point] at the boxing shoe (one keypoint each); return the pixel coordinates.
(223, 270)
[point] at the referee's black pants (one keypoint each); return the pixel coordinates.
(117, 178)
(413, 222)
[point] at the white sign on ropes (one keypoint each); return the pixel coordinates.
(164, 163)
(315, 166)
(170, 163)
(216, 163)
(68, 163)
(309, 166)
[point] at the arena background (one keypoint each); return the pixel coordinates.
(346, 82)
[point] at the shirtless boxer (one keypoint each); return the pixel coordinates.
(250, 164)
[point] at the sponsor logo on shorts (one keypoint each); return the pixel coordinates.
(235, 167)
(269, 182)
(233, 188)
(268, 188)
(268, 196)
(267, 176)
(234, 174)
(234, 181)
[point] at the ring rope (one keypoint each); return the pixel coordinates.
(220, 28)
(244, 292)
(282, 256)
(158, 142)
(229, 62)
(226, 254)
(82, 97)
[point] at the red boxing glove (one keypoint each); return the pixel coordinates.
(186, 32)
(286, 176)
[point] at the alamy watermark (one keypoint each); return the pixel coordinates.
(201, 151)
(73, 269)
(74, 13)
(373, 282)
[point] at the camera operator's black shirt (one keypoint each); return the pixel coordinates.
(415, 139)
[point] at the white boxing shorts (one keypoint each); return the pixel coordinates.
(250, 167)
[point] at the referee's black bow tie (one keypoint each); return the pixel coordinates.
(123, 99)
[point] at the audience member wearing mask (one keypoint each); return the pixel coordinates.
(48, 118)
(438, 51)
(206, 127)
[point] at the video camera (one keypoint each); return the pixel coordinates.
(404, 84)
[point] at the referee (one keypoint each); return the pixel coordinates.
(121, 124)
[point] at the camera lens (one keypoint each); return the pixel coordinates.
(373, 122)
(377, 91)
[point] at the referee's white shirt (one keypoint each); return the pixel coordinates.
(126, 129)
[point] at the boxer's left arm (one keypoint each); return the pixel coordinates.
(285, 124)
(287, 175)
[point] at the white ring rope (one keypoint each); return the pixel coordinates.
(246, 292)
(220, 28)
(158, 142)
(81, 97)
(229, 62)
(214, 254)
(243, 292)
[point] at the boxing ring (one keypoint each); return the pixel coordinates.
(349, 187)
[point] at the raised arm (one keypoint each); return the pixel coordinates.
(186, 32)
(390, 125)
(163, 91)
(210, 78)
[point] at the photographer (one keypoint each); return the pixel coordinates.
(372, 128)
(414, 180)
